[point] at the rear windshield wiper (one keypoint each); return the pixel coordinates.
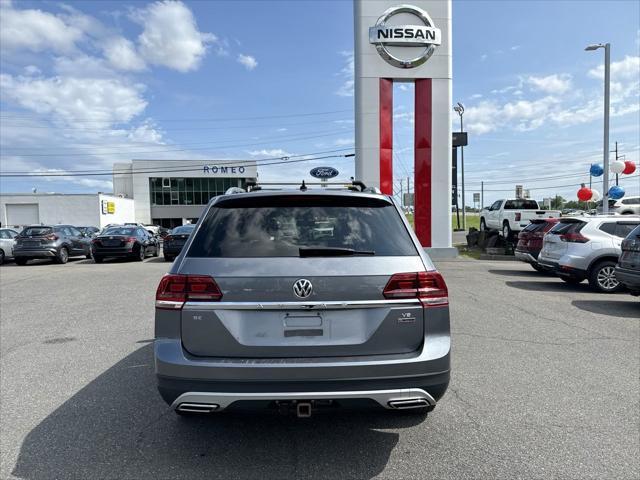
(332, 252)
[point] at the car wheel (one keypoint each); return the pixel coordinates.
(602, 277)
(1, 257)
(22, 261)
(483, 225)
(571, 280)
(63, 256)
(98, 259)
(506, 231)
(156, 251)
(141, 254)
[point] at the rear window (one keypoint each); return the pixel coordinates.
(534, 227)
(36, 231)
(185, 229)
(521, 204)
(121, 231)
(278, 226)
(562, 228)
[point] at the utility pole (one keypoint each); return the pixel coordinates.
(481, 194)
(401, 197)
(459, 109)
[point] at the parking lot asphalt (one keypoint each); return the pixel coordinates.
(545, 384)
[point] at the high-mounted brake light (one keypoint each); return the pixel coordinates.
(429, 287)
(174, 290)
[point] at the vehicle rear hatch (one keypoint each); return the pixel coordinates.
(630, 256)
(558, 240)
(36, 237)
(262, 251)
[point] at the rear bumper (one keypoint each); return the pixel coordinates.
(562, 267)
(171, 249)
(525, 256)
(35, 253)
(630, 278)
(112, 252)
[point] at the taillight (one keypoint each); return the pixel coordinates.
(518, 217)
(168, 238)
(631, 245)
(429, 287)
(574, 238)
(51, 237)
(130, 239)
(175, 290)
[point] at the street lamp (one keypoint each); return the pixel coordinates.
(605, 177)
(459, 109)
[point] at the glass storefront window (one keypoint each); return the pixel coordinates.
(188, 191)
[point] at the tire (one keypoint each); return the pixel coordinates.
(571, 280)
(1, 257)
(483, 225)
(98, 259)
(602, 277)
(63, 256)
(506, 231)
(21, 261)
(140, 256)
(156, 251)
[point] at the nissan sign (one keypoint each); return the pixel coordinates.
(324, 172)
(423, 34)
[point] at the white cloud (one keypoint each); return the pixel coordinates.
(171, 37)
(553, 84)
(76, 100)
(121, 54)
(274, 152)
(32, 70)
(36, 30)
(343, 142)
(248, 61)
(475, 96)
(347, 72)
(627, 68)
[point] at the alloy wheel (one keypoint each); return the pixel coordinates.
(607, 278)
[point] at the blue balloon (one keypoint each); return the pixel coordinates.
(616, 192)
(596, 170)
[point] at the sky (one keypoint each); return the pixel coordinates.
(86, 84)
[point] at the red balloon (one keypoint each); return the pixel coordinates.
(629, 167)
(585, 194)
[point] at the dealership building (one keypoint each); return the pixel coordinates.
(173, 192)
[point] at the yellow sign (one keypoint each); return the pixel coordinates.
(111, 207)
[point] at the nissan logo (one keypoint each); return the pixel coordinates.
(302, 288)
(384, 35)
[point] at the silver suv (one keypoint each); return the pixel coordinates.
(300, 300)
(587, 248)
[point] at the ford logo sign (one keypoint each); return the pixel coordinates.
(324, 172)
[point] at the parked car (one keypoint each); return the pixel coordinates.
(624, 206)
(509, 216)
(174, 242)
(628, 268)
(269, 307)
(57, 242)
(587, 248)
(7, 240)
(89, 231)
(124, 241)
(530, 241)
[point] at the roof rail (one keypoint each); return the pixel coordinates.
(232, 190)
(353, 185)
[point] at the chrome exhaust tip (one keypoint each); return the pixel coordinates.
(197, 407)
(409, 403)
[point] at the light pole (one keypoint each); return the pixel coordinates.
(459, 109)
(605, 161)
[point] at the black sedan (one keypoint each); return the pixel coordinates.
(125, 241)
(174, 242)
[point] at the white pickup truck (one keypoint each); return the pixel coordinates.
(509, 216)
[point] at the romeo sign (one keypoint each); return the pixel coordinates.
(385, 34)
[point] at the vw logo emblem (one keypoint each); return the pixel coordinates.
(302, 288)
(391, 38)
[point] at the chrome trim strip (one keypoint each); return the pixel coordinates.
(383, 397)
(301, 305)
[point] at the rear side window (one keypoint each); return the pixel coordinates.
(521, 204)
(535, 227)
(624, 228)
(36, 231)
(278, 226)
(562, 228)
(609, 228)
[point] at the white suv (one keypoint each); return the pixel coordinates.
(587, 248)
(624, 206)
